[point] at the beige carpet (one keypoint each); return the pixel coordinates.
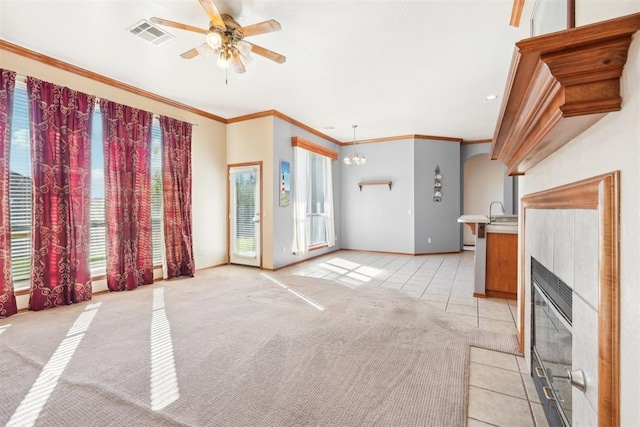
(248, 352)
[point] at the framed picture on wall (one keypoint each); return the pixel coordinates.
(549, 16)
(285, 184)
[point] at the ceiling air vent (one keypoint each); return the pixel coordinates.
(150, 33)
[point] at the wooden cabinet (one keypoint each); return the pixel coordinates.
(502, 265)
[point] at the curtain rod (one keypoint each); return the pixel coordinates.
(23, 79)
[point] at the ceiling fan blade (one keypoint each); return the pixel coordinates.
(237, 65)
(261, 28)
(212, 11)
(179, 25)
(269, 54)
(191, 53)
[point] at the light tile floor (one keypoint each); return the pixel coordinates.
(501, 391)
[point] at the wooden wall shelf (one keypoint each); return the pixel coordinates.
(559, 85)
(363, 183)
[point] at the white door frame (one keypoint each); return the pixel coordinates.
(258, 166)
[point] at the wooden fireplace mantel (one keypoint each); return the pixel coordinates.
(559, 85)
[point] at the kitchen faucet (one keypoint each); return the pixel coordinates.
(491, 205)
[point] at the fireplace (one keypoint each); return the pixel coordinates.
(573, 230)
(551, 343)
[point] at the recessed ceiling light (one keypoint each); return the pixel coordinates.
(328, 127)
(490, 97)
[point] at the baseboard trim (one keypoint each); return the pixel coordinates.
(403, 253)
(500, 294)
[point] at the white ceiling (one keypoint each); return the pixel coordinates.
(392, 67)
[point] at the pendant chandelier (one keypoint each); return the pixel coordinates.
(355, 158)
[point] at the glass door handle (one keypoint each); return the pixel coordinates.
(577, 379)
(548, 393)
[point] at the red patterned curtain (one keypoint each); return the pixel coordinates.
(60, 121)
(7, 297)
(176, 186)
(127, 177)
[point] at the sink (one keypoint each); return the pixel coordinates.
(510, 220)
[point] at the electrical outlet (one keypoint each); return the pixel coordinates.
(284, 249)
(199, 251)
(429, 240)
(409, 211)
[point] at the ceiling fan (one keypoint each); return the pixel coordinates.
(225, 38)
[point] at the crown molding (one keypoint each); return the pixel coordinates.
(410, 136)
(559, 85)
(297, 141)
(65, 66)
(278, 114)
(476, 141)
(516, 13)
(83, 72)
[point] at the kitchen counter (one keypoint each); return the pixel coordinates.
(493, 244)
(478, 219)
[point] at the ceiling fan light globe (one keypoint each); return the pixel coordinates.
(244, 48)
(222, 62)
(214, 40)
(363, 160)
(246, 60)
(347, 160)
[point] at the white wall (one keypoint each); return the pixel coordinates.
(611, 144)
(483, 182)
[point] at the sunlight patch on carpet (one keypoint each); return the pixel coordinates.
(4, 328)
(164, 381)
(29, 409)
(296, 293)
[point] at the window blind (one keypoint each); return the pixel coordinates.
(98, 254)
(156, 192)
(317, 223)
(20, 189)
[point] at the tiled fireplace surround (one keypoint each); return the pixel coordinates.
(568, 241)
(563, 240)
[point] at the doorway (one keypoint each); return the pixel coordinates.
(245, 229)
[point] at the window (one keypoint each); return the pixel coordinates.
(316, 203)
(156, 192)
(98, 222)
(20, 191)
(313, 219)
(98, 255)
